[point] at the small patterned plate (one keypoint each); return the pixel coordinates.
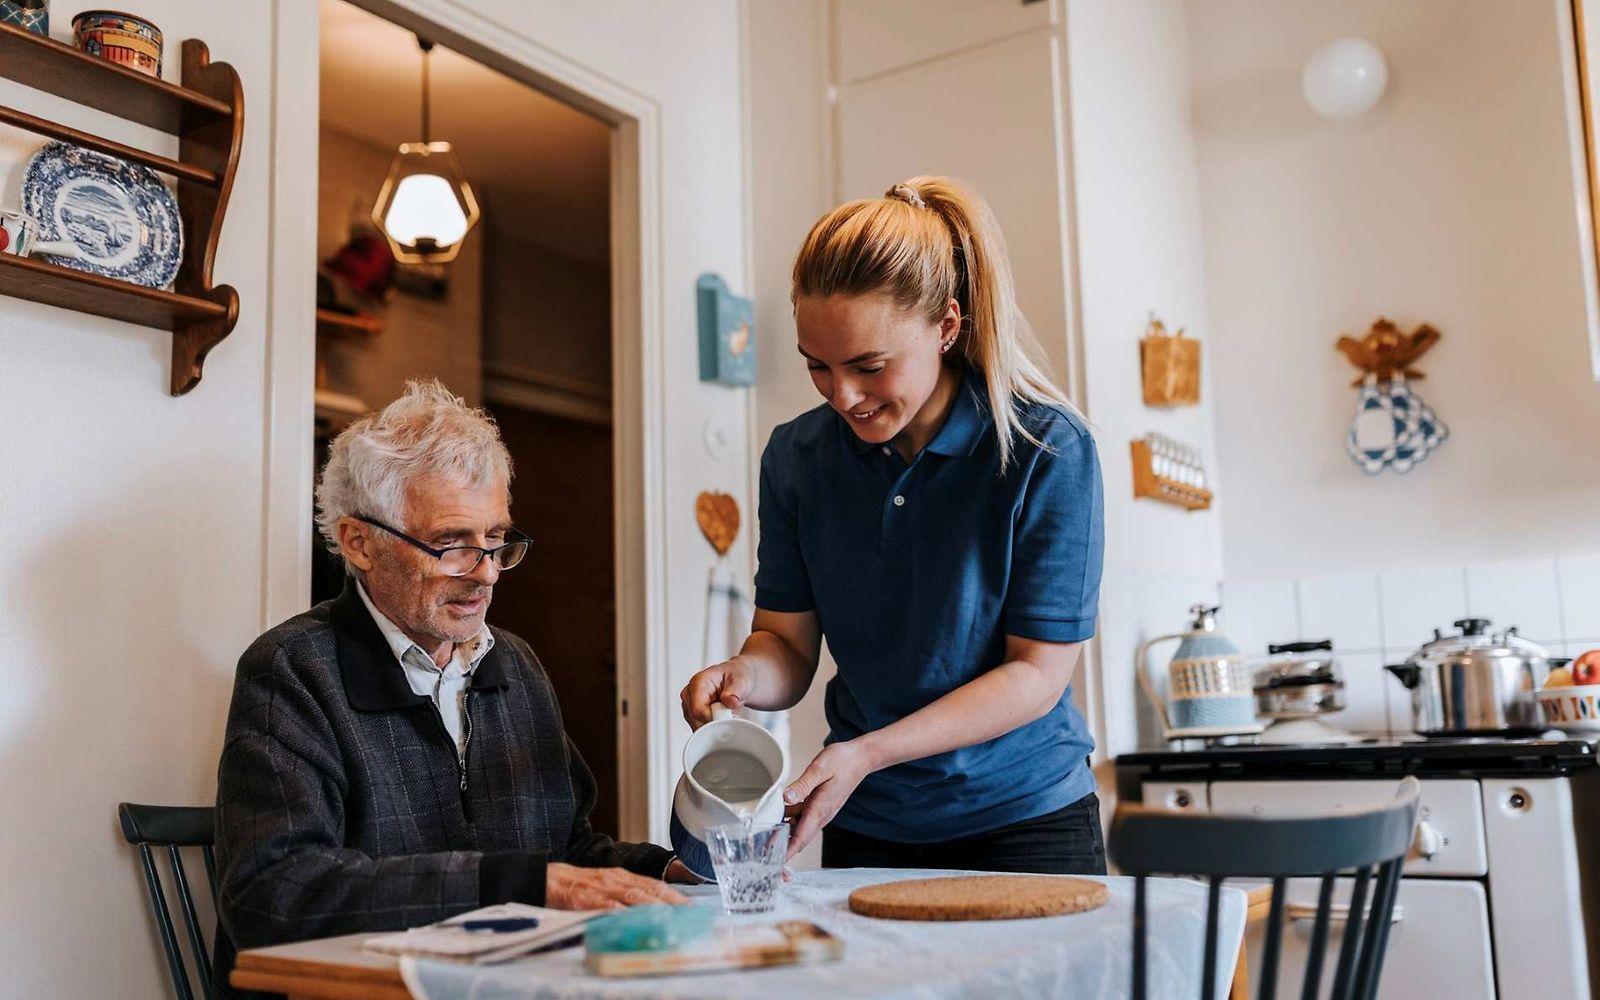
(121, 219)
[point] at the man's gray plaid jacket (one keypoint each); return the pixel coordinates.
(341, 806)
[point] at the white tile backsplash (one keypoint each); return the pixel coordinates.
(1580, 596)
(1343, 607)
(1417, 601)
(1525, 593)
(1256, 613)
(1366, 692)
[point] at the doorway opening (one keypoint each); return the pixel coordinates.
(520, 322)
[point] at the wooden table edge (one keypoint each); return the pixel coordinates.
(260, 969)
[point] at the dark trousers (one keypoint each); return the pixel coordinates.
(1065, 842)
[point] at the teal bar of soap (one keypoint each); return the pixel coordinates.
(648, 928)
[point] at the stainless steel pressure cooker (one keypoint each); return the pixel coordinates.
(1477, 683)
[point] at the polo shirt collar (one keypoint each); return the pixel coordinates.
(968, 419)
(963, 428)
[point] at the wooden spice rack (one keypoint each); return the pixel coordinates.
(206, 113)
(1148, 483)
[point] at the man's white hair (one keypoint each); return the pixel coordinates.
(428, 432)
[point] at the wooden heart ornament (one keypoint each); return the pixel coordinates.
(718, 514)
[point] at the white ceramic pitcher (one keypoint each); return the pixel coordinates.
(696, 809)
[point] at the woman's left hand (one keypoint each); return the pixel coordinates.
(820, 792)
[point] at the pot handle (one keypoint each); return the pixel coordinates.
(1141, 669)
(1408, 674)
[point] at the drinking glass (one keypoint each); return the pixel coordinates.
(748, 861)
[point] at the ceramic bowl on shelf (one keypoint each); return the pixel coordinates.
(1573, 708)
(125, 39)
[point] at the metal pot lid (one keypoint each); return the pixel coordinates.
(1296, 664)
(1476, 642)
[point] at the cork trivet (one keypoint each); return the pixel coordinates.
(978, 897)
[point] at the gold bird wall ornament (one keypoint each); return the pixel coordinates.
(1386, 352)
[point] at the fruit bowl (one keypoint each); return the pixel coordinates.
(1574, 708)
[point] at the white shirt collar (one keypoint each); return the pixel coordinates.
(465, 659)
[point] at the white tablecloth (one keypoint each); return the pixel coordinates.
(1081, 955)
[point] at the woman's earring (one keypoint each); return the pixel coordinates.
(947, 345)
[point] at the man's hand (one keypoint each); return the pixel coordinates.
(727, 683)
(820, 792)
(568, 887)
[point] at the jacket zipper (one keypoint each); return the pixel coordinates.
(466, 737)
(462, 701)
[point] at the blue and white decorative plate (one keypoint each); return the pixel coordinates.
(119, 218)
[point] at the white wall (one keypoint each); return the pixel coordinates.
(1137, 204)
(135, 563)
(1450, 203)
(132, 562)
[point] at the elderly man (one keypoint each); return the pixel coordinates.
(390, 760)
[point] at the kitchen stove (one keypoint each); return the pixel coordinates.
(1505, 864)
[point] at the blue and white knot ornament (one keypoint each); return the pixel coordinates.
(1393, 429)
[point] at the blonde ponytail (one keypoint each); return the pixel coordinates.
(928, 240)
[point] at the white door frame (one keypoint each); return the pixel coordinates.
(638, 399)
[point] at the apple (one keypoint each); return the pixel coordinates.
(1586, 668)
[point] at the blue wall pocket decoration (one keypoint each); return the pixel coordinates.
(727, 344)
(1393, 428)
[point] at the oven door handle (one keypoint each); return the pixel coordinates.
(1338, 913)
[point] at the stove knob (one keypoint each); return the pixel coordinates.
(1428, 840)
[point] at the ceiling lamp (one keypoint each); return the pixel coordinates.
(426, 205)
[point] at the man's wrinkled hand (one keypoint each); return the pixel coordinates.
(568, 887)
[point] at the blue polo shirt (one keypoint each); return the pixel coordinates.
(917, 572)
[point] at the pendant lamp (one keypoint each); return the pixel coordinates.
(426, 206)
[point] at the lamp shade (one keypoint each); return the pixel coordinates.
(426, 207)
(1344, 79)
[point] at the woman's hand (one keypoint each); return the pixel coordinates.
(822, 788)
(727, 683)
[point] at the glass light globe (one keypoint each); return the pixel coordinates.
(425, 206)
(1344, 79)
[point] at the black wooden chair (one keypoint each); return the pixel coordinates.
(1370, 844)
(174, 827)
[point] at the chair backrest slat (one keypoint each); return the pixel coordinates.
(197, 941)
(1369, 843)
(1350, 947)
(1319, 938)
(174, 827)
(1139, 935)
(1208, 980)
(1377, 940)
(169, 937)
(210, 857)
(1274, 943)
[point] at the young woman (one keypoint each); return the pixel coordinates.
(939, 523)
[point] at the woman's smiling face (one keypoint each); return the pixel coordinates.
(875, 362)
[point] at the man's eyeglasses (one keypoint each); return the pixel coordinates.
(459, 560)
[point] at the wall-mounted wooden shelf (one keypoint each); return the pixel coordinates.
(1182, 485)
(337, 324)
(206, 113)
(67, 72)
